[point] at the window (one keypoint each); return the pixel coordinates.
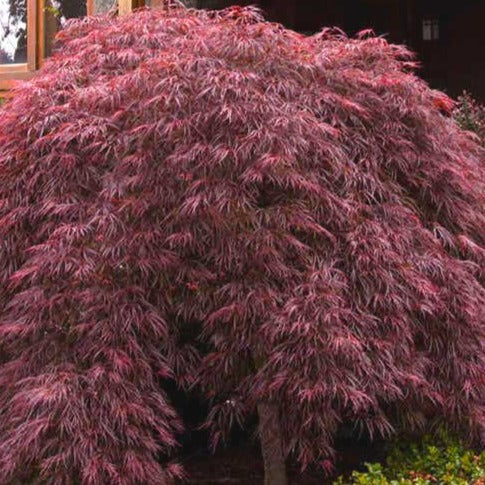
(431, 29)
(28, 28)
(17, 35)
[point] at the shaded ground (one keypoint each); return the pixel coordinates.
(238, 466)
(242, 465)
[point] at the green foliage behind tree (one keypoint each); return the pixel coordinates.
(443, 460)
(470, 115)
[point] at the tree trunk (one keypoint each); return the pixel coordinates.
(271, 445)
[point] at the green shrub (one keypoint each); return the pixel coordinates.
(442, 461)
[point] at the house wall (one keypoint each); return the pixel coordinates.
(456, 61)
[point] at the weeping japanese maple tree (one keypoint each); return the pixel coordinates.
(290, 224)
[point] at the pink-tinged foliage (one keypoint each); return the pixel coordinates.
(298, 207)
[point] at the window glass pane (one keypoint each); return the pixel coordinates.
(427, 30)
(13, 31)
(56, 13)
(436, 30)
(101, 6)
(187, 3)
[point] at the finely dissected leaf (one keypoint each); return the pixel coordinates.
(210, 198)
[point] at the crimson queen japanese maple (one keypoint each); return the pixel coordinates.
(301, 208)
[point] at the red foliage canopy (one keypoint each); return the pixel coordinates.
(299, 204)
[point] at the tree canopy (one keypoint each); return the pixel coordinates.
(209, 198)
